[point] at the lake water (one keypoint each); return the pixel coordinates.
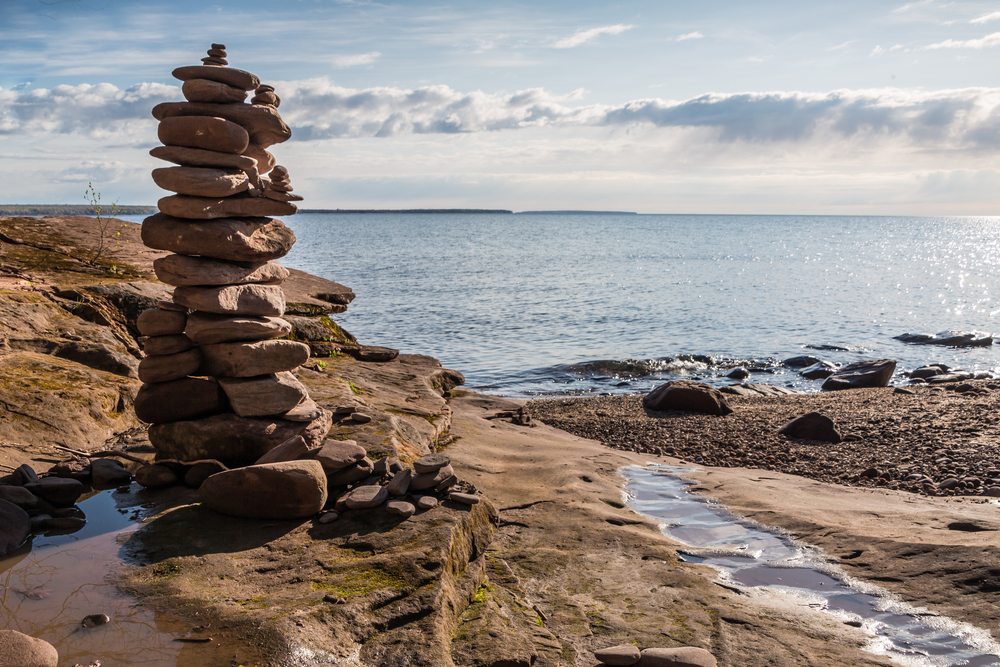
(542, 304)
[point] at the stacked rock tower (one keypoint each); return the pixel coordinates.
(217, 375)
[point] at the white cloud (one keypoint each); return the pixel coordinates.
(910, 5)
(993, 16)
(981, 43)
(355, 60)
(841, 46)
(690, 35)
(583, 36)
(897, 47)
(877, 51)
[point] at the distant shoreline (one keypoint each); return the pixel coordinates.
(86, 209)
(71, 209)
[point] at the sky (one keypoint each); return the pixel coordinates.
(852, 108)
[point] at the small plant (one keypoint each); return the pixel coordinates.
(104, 233)
(321, 365)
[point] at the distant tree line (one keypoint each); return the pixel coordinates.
(69, 209)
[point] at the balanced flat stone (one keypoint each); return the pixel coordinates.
(292, 449)
(427, 502)
(336, 455)
(447, 483)
(249, 300)
(305, 411)
(230, 76)
(207, 328)
(624, 655)
(262, 123)
(208, 208)
(230, 438)
(161, 322)
(684, 656)
(263, 395)
(229, 239)
(431, 463)
(199, 157)
(206, 90)
(464, 498)
(400, 508)
(429, 480)
(178, 400)
(155, 346)
(170, 367)
(265, 161)
(201, 181)
(206, 132)
(282, 196)
(351, 474)
(249, 359)
(184, 270)
(400, 483)
(365, 497)
(284, 490)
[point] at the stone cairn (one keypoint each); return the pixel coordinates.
(227, 413)
(217, 375)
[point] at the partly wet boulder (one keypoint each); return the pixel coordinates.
(801, 361)
(861, 374)
(284, 490)
(818, 371)
(811, 426)
(950, 338)
(15, 526)
(687, 396)
(929, 371)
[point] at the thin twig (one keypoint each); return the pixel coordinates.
(103, 454)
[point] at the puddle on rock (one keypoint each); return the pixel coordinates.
(749, 555)
(51, 583)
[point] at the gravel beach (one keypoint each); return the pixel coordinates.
(938, 440)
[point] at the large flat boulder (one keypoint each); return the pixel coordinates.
(251, 300)
(262, 123)
(209, 208)
(230, 76)
(201, 181)
(687, 396)
(861, 374)
(309, 295)
(206, 132)
(199, 157)
(283, 490)
(233, 439)
(231, 239)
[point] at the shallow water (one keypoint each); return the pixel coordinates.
(51, 583)
(749, 555)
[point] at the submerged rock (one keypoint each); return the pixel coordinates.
(950, 338)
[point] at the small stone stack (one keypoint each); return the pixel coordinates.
(217, 379)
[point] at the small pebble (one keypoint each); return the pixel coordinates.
(95, 620)
(328, 517)
(361, 417)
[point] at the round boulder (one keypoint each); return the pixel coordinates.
(811, 426)
(20, 650)
(284, 490)
(687, 396)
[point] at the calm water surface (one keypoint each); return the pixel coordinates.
(526, 304)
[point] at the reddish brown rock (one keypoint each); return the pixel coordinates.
(184, 270)
(265, 161)
(236, 78)
(161, 322)
(197, 157)
(208, 208)
(179, 400)
(336, 455)
(249, 359)
(201, 181)
(208, 328)
(232, 439)
(812, 426)
(250, 300)
(21, 650)
(683, 656)
(230, 239)
(292, 449)
(429, 480)
(205, 90)
(263, 395)
(170, 367)
(284, 490)
(860, 374)
(206, 132)
(262, 123)
(687, 397)
(160, 345)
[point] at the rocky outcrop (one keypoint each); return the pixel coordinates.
(687, 396)
(861, 374)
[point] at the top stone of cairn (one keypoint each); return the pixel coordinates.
(215, 69)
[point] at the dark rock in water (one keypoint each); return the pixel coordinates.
(106, 473)
(812, 426)
(925, 372)
(861, 374)
(757, 390)
(19, 496)
(832, 348)
(15, 526)
(20, 649)
(56, 490)
(950, 338)
(956, 376)
(799, 362)
(738, 374)
(818, 371)
(25, 474)
(688, 397)
(95, 620)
